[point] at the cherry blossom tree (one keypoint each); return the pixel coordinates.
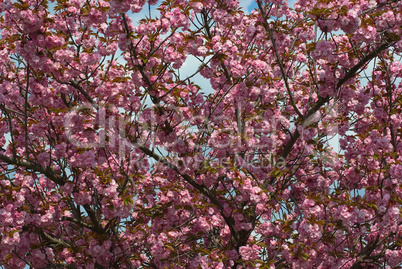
(196, 134)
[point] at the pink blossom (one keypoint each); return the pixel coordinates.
(200, 134)
(350, 23)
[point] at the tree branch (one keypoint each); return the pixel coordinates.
(35, 167)
(283, 73)
(323, 100)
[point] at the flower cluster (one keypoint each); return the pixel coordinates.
(195, 134)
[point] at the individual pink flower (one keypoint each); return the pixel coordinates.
(351, 22)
